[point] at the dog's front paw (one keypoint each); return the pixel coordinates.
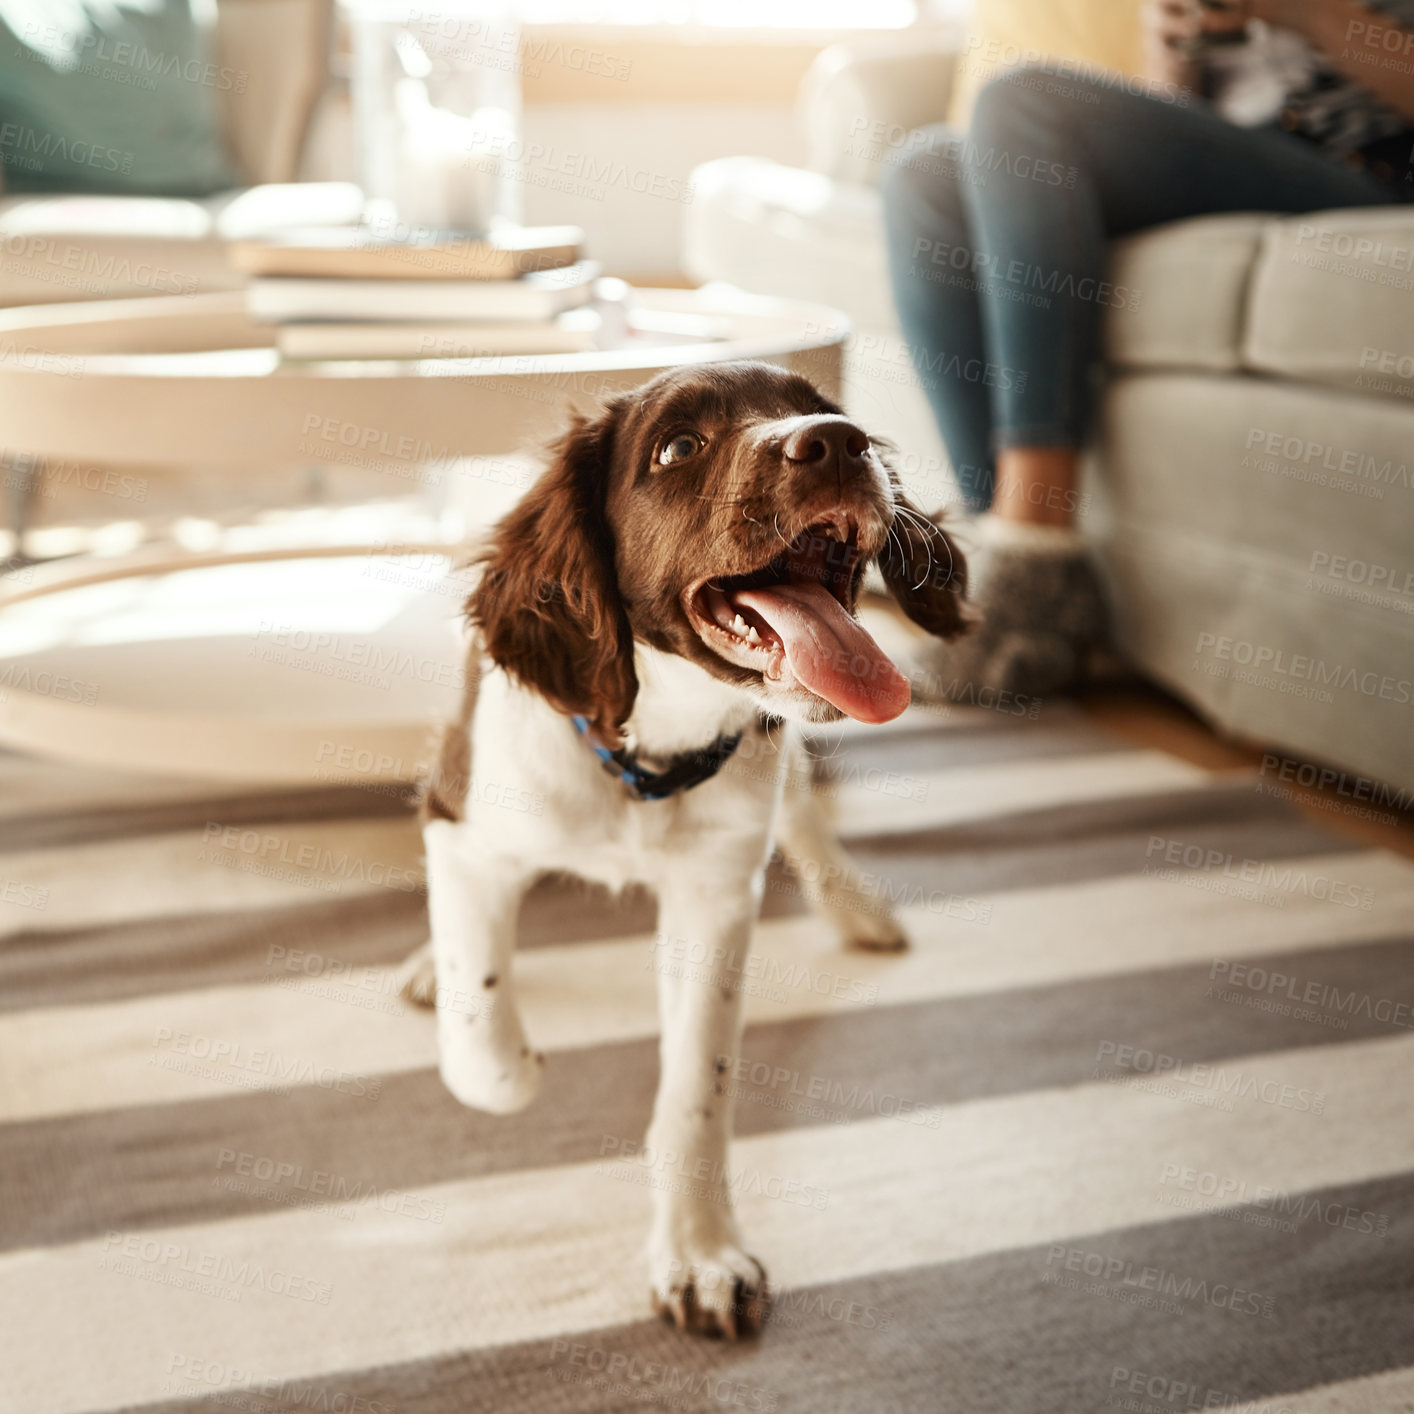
(486, 1072)
(717, 1291)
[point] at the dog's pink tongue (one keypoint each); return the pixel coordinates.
(828, 651)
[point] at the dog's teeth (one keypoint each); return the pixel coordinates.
(739, 626)
(751, 635)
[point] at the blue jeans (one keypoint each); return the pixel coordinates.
(997, 242)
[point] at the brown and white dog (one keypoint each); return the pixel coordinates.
(685, 574)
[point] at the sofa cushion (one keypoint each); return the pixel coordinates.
(1332, 301)
(1254, 533)
(1184, 293)
(783, 231)
(104, 99)
(276, 56)
(1267, 467)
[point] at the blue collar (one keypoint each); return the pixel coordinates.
(685, 770)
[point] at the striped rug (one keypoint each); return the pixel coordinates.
(1127, 1129)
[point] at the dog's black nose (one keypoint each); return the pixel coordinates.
(826, 442)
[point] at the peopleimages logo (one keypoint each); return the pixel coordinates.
(43, 683)
(99, 54)
(1329, 241)
(239, 1387)
(1320, 459)
(1135, 1062)
(23, 895)
(353, 654)
(92, 269)
(636, 1380)
(210, 1055)
(1159, 1282)
(30, 148)
(1283, 877)
(1302, 668)
(1273, 984)
(180, 1259)
(255, 852)
(1399, 579)
(1222, 1190)
(319, 1183)
(1128, 1387)
(784, 1087)
(1018, 275)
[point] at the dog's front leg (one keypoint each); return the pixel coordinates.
(831, 879)
(702, 1276)
(473, 901)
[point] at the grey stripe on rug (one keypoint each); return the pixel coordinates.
(204, 1160)
(165, 816)
(1061, 733)
(1250, 1303)
(1088, 840)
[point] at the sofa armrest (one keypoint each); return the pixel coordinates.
(860, 99)
(272, 60)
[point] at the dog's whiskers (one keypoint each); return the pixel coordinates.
(807, 749)
(928, 530)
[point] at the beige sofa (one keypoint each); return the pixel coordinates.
(59, 248)
(1251, 491)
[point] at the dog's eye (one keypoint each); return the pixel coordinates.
(679, 447)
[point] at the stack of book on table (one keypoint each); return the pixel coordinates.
(346, 293)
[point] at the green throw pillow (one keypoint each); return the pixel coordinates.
(116, 96)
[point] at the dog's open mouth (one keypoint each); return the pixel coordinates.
(792, 621)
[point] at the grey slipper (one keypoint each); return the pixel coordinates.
(1039, 614)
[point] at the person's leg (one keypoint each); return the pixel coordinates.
(1056, 167)
(1052, 169)
(942, 322)
(1035, 485)
(932, 265)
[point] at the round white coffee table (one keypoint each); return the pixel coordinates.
(191, 380)
(292, 665)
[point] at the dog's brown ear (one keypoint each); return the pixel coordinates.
(547, 603)
(925, 572)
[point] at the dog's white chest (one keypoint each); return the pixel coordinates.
(541, 800)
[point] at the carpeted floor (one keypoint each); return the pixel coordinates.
(1129, 1128)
